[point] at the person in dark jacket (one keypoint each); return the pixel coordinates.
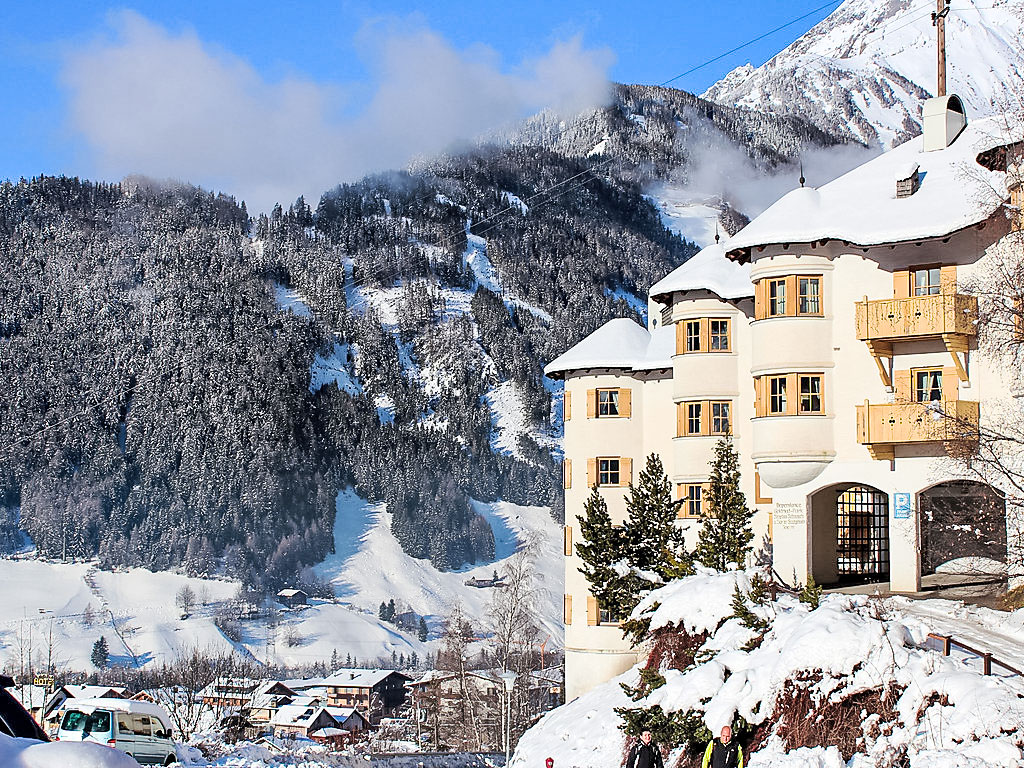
(645, 754)
(723, 752)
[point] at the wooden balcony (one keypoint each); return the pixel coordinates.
(882, 427)
(917, 317)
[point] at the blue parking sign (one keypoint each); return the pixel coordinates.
(901, 506)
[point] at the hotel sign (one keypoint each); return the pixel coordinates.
(789, 515)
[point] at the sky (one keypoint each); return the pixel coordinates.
(266, 100)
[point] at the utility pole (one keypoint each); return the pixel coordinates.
(939, 21)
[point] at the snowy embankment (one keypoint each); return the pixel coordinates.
(28, 753)
(854, 660)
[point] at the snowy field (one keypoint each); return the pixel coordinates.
(135, 609)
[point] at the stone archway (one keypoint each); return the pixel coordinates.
(963, 528)
(849, 534)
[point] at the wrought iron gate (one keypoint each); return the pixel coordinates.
(862, 544)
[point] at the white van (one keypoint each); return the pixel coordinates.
(139, 728)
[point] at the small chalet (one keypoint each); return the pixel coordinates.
(349, 720)
(268, 698)
(230, 692)
(377, 692)
(292, 598)
(298, 720)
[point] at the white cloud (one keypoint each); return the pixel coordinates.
(168, 105)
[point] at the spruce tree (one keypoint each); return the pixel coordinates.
(422, 634)
(653, 543)
(602, 546)
(726, 534)
(100, 653)
(382, 612)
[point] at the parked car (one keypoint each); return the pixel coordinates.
(14, 720)
(139, 728)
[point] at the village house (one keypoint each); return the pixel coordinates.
(832, 338)
(459, 711)
(292, 598)
(267, 698)
(54, 706)
(375, 692)
(293, 720)
(229, 693)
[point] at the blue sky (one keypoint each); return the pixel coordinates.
(71, 104)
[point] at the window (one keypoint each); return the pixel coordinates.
(605, 616)
(928, 385)
(693, 412)
(776, 297)
(692, 328)
(810, 394)
(607, 402)
(141, 725)
(719, 335)
(777, 395)
(720, 418)
(927, 282)
(810, 296)
(692, 495)
(608, 472)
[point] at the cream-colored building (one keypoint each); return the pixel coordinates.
(831, 336)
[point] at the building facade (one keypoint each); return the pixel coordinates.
(833, 338)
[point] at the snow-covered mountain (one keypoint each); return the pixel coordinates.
(865, 71)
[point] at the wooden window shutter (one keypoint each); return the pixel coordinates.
(591, 472)
(760, 300)
(903, 385)
(591, 403)
(625, 403)
(705, 418)
(947, 278)
(950, 383)
(705, 335)
(567, 407)
(758, 396)
(680, 419)
(593, 614)
(680, 338)
(792, 394)
(567, 609)
(625, 471)
(568, 540)
(791, 295)
(566, 473)
(901, 284)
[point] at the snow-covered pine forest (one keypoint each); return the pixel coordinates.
(191, 387)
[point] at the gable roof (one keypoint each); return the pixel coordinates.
(299, 715)
(861, 207)
(360, 678)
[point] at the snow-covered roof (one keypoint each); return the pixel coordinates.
(861, 207)
(619, 343)
(290, 592)
(360, 678)
(659, 350)
(297, 715)
(708, 270)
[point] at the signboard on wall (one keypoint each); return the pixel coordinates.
(901, 506)
(786, 516)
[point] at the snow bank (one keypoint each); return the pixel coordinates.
(29, 753)
(945, 712)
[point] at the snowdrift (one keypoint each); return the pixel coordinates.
(28, 753)
(850, 680)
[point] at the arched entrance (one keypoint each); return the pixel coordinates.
(850, 534)
(963, 528)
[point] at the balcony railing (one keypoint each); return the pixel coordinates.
(900, 423)
(917, 317)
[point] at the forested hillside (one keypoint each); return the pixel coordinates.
(187, 386)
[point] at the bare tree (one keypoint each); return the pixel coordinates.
(186, 599)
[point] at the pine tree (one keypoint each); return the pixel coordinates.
(602, 546)
(653, 542)
(348, 660)
(422, 634)
(100, 653)
(334, 659)
(726, 534)
(382, 612)
(391, 610)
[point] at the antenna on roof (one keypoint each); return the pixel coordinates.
(939, 21)
(802, 179)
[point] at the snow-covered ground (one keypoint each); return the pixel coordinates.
(945, 711)
(135, 609)
(688, 213)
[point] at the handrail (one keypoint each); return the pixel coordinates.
(987, 659)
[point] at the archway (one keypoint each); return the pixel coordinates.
(850, 534)
(963, 528)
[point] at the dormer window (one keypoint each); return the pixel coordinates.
(908, 180)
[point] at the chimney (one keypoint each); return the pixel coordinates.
(944, 119)
(908, 180)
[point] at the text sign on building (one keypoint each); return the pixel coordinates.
(901, 506)
(788, 516)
